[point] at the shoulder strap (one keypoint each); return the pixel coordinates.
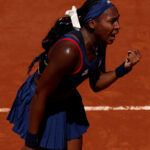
(78, 35)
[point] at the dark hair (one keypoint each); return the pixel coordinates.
(62, 26)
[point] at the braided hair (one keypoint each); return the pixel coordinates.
(61, 27)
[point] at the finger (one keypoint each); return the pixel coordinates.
(129, 52)
(133, 60)
(127, 63)
(134, 51)
(133, 55)
(137, 52)
(136, 60)
(127, 59)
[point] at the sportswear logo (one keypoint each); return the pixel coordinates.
(99, 64)
(85, 72)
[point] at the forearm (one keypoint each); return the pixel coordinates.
(105, 80)
(37, 110)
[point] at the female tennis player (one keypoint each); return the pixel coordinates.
(48, 111)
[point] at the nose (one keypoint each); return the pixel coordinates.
(117, 25)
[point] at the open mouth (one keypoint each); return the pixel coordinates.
(112, 35)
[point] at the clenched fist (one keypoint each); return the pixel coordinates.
(132, 58)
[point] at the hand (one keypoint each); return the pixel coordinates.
(132, 58)
(27, 148)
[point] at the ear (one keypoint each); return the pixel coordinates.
(91, 24)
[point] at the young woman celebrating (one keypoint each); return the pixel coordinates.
(48, 111)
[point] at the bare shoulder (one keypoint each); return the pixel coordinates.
(66, 54)
(64, 48)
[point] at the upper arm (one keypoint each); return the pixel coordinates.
(62, 60)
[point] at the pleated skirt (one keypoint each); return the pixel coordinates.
(64, 120)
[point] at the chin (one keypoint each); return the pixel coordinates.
(110, 42)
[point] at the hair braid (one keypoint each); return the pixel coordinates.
(62, 26)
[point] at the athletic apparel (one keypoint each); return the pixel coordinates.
(64, 120)
(87, 68)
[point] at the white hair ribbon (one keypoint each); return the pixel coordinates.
(74, 17)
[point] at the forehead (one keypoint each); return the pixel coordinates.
(111, 12)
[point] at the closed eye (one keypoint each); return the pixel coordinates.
(114, 19)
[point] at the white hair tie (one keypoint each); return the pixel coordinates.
(74, 17)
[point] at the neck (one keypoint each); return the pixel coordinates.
(89, 39)
(91, 43)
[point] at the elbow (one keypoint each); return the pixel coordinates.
(95, 90)
(98, 88)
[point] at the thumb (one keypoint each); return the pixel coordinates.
(127, 64)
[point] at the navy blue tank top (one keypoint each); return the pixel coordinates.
(86, 67)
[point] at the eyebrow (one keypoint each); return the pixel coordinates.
(115, 17)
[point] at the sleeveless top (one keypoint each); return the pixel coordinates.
(86, 68)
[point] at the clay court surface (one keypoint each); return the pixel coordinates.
(24, 23)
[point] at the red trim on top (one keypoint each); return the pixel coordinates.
(75, 72)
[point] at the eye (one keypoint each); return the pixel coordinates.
(113, 20)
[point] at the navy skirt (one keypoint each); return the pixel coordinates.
(64, 120)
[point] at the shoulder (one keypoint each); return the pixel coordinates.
(65, 54)
(65, 45)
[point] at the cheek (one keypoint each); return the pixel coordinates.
(104, 31)
(107, 29)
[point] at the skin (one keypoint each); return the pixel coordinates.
(66, 54)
